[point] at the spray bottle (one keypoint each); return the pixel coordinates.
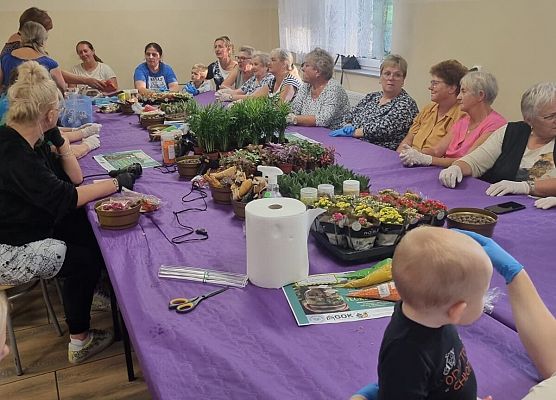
(271, 176)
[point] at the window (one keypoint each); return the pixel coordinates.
(350, 27)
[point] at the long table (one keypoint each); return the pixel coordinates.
(245, 343)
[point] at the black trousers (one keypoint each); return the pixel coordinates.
(81, 269)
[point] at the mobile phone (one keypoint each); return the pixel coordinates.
(504, 208)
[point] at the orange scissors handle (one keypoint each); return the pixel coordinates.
(183, 305)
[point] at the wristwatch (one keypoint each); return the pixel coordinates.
(531, 183)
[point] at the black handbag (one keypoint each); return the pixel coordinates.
(347, 62)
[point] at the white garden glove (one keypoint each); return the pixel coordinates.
(291, 119)
(411, 157)
(451, 176)
(504, 187)
(92, 142)
(89, 129)
(546, 202)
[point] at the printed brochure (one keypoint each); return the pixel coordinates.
(319, 300)
(124, 159)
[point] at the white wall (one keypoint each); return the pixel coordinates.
(514, 39)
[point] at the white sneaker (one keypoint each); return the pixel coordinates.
(98, 340)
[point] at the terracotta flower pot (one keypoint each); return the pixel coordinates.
(221, 195)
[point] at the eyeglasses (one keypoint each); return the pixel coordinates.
(549, 118)
(242, 58)
(436, 83)
(390, 75)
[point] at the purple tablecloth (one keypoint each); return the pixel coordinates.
(244, 343)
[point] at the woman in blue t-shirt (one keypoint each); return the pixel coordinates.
(33, 39)
(153, 74)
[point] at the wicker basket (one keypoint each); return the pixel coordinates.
(147, 121)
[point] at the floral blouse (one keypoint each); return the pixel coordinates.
(384, 125)
(251, 84)
(328, 109)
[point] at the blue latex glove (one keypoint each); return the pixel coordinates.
(503, 262)
(346, 131)
(370, 392)
(191, 89)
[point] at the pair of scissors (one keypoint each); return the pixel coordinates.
(182, 305)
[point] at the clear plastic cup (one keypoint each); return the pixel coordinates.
(325, 189)
(351, 187)
(308, 195)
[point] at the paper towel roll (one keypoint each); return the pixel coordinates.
(276, 231)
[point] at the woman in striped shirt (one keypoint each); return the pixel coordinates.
(286, 80)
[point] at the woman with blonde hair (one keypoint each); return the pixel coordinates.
(224, 64)
(35, 203)
(33, 40)
(286, 80)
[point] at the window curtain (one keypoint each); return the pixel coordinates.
(350, 27)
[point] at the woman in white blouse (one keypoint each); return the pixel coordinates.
(518, 158)
(321, 101)
(93, 67)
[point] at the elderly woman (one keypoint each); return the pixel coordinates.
(285, 82)
(384, 117)
(224, 64)
(436, 119)
(519, 157)
(261, 77)
(321, 101)
(93, 67)
(153, 74)
(33, 39)
(40, 16)
(243, 70)
(37, 195)
(477, 93)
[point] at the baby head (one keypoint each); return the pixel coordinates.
(198, 73)
(442, 274)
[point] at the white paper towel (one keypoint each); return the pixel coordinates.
(276, 231)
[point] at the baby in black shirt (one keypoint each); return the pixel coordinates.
(442, 277)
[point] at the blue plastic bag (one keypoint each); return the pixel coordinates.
(78, 110)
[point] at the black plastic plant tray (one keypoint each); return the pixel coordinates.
(353, 256)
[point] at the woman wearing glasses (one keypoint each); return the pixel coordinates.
(478, 91)
(243, 71)
(224, 65)
(321, 101)
(519, 157)
(384, 117)
(437, 118)
(261, 77)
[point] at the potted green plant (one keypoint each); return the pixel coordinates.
(211, 128)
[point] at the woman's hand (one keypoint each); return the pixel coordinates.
(546, 202)
(346, 131)
(504, 187)
(411, 157)
(451, 176)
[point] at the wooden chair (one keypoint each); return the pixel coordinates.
(15, 291)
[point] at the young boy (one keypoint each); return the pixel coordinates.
(442, 277)
(198, 84)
